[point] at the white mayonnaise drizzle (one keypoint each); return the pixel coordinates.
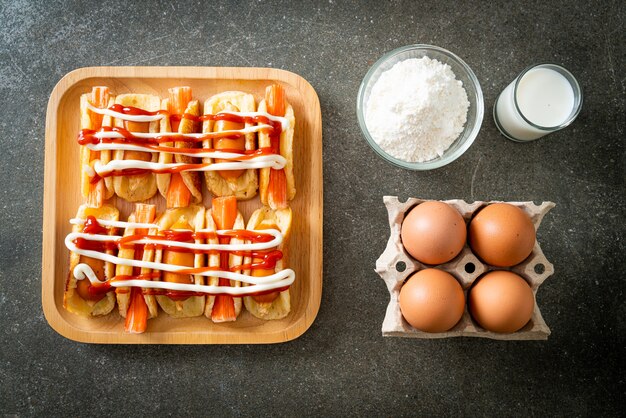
(119, 115)
(208, 154)
(274, 161)
(152, 135)
(284, 122)
(277, 280)
(276, 241)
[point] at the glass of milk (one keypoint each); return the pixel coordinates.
(542, 99)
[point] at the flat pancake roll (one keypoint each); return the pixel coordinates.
(102, 189)
(277, 187)
(137, 187)
(178, 225)
(78, 298)
(272, 305)
(242, 184)
(180, 189)
(226, 216)
(135, 303)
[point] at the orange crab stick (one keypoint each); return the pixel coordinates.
(276, 105)
(275, 100)
(100, 99)
(137, 315)
(179, 99)
(97, 193)
(224, 215)
(178, 194)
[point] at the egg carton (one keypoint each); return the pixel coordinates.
(395, 265)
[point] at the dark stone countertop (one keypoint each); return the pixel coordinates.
(342, 365)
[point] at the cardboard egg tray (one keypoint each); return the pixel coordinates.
(466, 268)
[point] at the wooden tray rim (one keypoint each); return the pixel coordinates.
(53, 317)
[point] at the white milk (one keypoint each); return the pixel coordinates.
(544, 96)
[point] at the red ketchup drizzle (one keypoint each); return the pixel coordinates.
(269, 260)
(179, 236)
(100, 246)
(185, 294)
(92, 226)
(87, 136)
(259, 119)
(269, 257)
(135, 111)
(98, 289)
(104, 287)
(189, 236)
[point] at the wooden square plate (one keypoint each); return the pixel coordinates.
(62, 198)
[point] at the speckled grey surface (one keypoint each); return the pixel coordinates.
(342, 365)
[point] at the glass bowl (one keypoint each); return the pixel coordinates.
(462, 72)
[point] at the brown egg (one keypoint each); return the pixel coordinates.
(433, 232)
(501, 301)
(432, 301)
(502, 235)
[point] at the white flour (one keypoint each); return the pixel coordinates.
(416, 109)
